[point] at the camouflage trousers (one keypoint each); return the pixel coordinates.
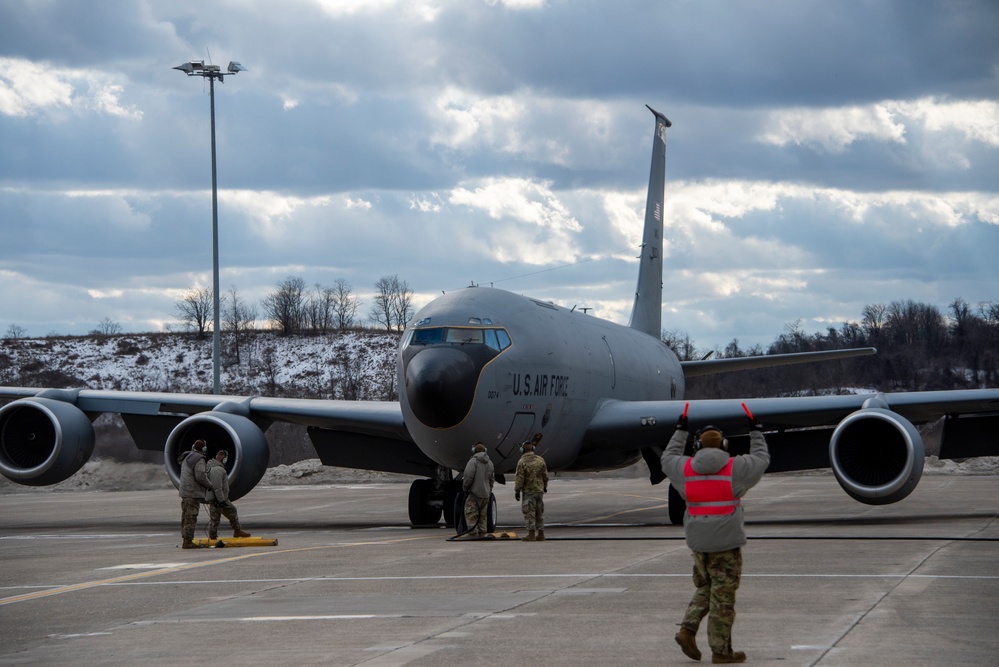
(533, 506)
(716, 576)
(215, 513)
(476, 511)
(189, 508)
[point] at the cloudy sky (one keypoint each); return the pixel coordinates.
(823, 155)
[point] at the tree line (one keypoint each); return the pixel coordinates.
(295, 308)
(919, 349)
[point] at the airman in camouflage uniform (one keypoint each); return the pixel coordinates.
(532, 484)
(714, 529)
(193, 483)
(217, 498)
(477, 483)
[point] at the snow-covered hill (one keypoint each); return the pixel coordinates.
(353, 365)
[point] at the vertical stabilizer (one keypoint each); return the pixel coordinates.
(646, 314)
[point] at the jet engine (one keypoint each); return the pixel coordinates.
(43, 441)
(877, 456)
(235, 433)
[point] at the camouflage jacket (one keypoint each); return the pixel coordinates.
(219, 478)
(532, 474)
(193, 480)
(479, 476)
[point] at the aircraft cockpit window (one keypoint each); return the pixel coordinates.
(503, 338)
(427, 336)
(464, 336)
(497, 339)
(491, 339)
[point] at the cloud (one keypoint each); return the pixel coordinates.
(941, 123)
(832, 129)
(270, 209)
(30, 88)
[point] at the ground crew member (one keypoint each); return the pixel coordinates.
(218, 498)
(193, 484)
(532, 483)
(712, 482)
(477, 483)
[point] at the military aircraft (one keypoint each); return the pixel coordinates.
(483, 364)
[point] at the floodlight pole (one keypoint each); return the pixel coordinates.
(212, 72)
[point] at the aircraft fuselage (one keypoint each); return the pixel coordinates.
(484, 364)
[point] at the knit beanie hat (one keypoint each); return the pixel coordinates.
(712, 438)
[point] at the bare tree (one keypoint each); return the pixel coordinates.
(238, 317)
(195, 309)
(15, 331)
(319, 309)
(381, 310)
(875, 316)
(107, 327)
(681, 344)
(393, 304)
(286, 306)
(345, 304)
(402, 302)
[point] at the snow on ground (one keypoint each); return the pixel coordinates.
(323, 365)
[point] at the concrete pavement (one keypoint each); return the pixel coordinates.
(98, 578)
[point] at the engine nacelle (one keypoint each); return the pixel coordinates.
(877, 456)
(245, 442)
(43, 441)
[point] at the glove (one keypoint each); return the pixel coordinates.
(516, 495)
(754, 423)
(221, 504)
(681, 424)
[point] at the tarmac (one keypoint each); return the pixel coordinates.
(99, 578)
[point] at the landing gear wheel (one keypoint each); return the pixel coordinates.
(452, 511)
(491, 514)
(676, 505)
(421, 512)
(460, 526)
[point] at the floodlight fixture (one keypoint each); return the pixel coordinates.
(189, 68)
(212, 72)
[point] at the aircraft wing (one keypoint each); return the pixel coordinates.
(382, 418)
(972, 414)
(46, 434)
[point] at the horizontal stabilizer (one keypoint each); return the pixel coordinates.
(714, 366)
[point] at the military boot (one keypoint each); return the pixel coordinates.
(189, 544)
(541, 536)
(239, 532)
(728, 658)
(529, 537)
(213, 534)
(687, 639)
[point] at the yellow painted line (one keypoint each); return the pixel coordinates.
(72, 588)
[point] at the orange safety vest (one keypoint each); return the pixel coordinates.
(709, 494)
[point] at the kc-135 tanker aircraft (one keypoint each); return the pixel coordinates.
(483, 364)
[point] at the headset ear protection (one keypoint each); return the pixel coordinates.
(697, 438)
(475, 448)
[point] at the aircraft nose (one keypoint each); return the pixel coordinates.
(440, 385)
